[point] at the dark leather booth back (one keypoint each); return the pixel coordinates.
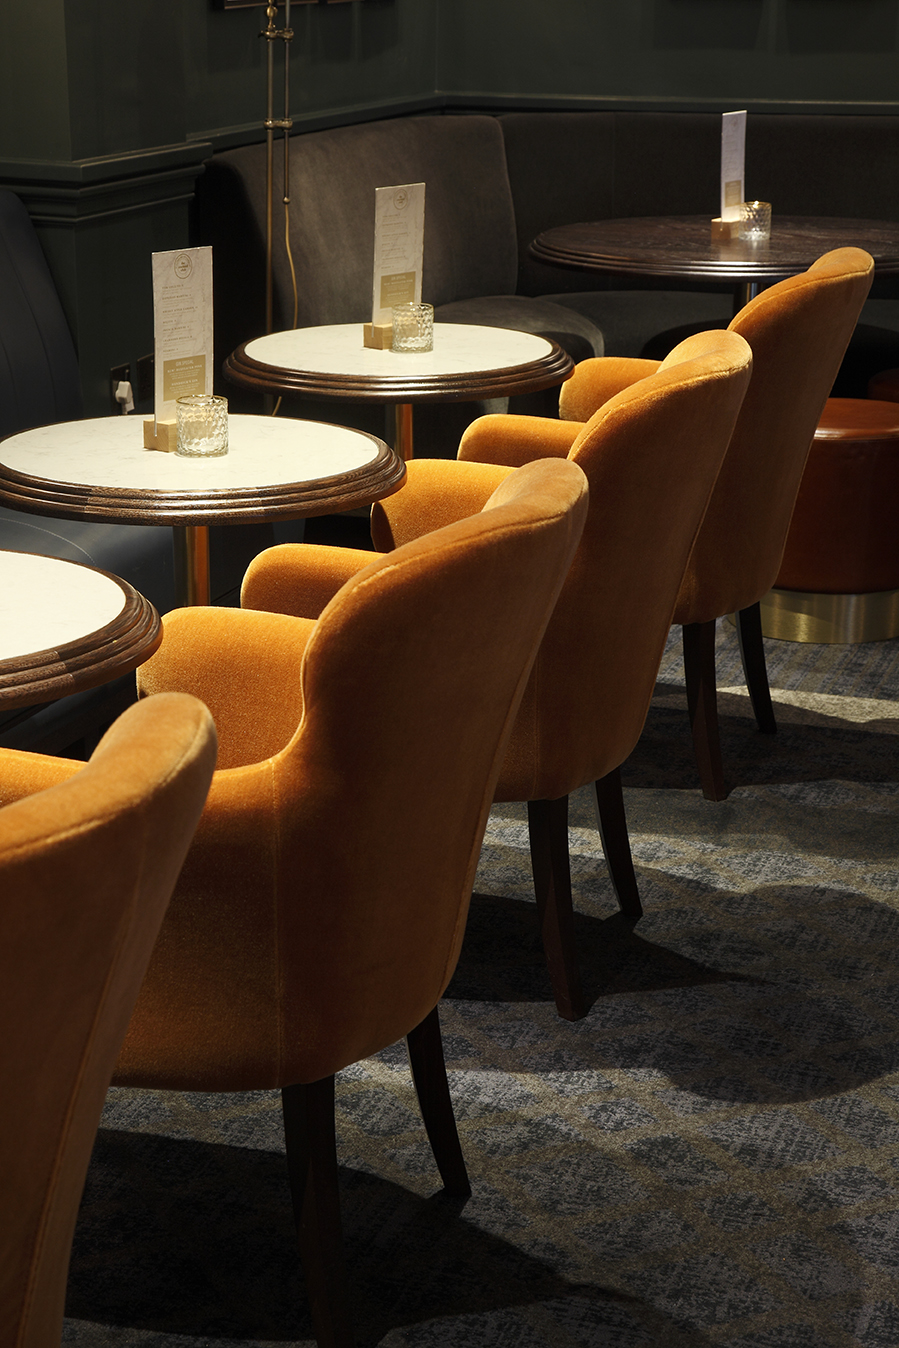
(39, 380)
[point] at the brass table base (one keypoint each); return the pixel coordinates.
(796, 615)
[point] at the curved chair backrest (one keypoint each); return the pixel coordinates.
(651, 454)
(425, 753)
(798, 331)
(321, 910)
(86, 871)
(39, 381)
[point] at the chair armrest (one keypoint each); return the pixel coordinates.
(24, 774)
(514, 440)
(244, 665)
(597, 380)
(436, 492)
(299, 578)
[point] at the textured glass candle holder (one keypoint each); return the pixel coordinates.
(202, 420)
(755, 221)
(413, 327)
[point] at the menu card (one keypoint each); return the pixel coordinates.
(182, 317)
(733, 152)
(399, 246)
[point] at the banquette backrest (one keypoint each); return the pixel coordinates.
(471, 244)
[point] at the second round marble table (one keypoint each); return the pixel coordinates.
(66, 627)
(681, 247)
(468, 362)
(275, 468)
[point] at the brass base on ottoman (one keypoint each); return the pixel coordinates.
(796, 615)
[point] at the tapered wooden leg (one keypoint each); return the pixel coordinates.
(429, 1074)
(312, 1166)
(702, 701)
(548, 828)
(616, 844)
(755, 671)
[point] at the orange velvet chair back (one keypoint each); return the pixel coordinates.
(321, 909)
(651, 454)
(798, 331)
(86, 870)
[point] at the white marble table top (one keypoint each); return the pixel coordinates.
(46, 603)
(108, 452)
(459, 348)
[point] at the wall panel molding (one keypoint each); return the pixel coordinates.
(58, 192)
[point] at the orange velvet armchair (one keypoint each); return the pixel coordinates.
(798, 331)
(321, 908)
(651, 455)
(89, 855)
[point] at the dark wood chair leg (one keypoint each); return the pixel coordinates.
(616, 844)
(429, 1074)
(312, 1166)
(755, 671)
(548, 829)
(702, 701)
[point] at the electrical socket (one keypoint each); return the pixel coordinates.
(117, 374)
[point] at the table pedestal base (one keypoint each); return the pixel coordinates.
(190, 543)
(744, 291)
(403, 443)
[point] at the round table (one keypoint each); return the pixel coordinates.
(681, 247)
(274, 469)
(468, 362)
(66, 627)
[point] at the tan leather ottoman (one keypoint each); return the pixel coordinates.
(839, 578)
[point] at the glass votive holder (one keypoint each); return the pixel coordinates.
(202, 422)
(755, 221)
(413, 327)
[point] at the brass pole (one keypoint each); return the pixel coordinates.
(273, 34)
(269, 34)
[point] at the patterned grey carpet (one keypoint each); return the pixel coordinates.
(710, 1157)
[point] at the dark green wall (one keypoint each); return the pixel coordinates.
(34, 82)
(105, 120)
(106, 116)
(727, 52)
(346, 60)
(84, 81)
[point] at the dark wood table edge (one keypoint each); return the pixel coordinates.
(752, 265)
(466, 386)
(94, 659)
(380, 477)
